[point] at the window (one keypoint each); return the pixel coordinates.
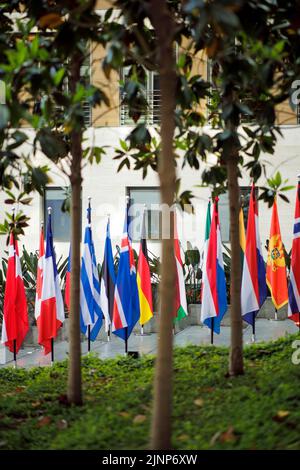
(61, 221)
(138, 199)
(151, 115)
(224, 211)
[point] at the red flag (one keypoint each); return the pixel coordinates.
(15, 319)
(39, 276)
(276, 270)
(294, 285)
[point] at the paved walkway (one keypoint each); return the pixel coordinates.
(266, 330)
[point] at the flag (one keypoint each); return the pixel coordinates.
(39, 275)
(144, 279)
(108, 281)
(242, 235)
(206, 239)
(254, 288)
(15, 319)
(214, 301)
(68, 282)
(276, 269)
(294, 284)
(50, 315)
(126, 310)
(181, 310)
(90, 310)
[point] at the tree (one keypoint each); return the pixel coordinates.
(37, 67)
(162, 404)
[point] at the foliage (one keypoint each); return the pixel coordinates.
(234, 412)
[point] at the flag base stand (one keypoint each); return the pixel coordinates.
(142, 333)
(253, 338)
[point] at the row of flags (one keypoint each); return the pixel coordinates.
(121, 300)
(255, 275)
(117, 300)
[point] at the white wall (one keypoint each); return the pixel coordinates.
(108, 189)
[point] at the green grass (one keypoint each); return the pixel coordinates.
(260, 410)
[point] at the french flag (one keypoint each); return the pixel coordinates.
(50, 313)
(254, 287)
(214, 298)
(126, 311)
(294, 285)
(15, 319)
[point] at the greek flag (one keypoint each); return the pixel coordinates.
(90, 311)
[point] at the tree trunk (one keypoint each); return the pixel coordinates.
(74, 371)
(236, 350)
(162, 404)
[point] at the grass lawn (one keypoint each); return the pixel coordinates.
(260, 410)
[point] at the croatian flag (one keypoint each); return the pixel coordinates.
(294, 285)
(108, 281)
(90, 310)
(126, 310)
(68, 283)
(214, 299)
(254, 287)
(50, 314)
(15, 319)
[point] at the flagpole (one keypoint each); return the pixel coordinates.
(52, 351)
(276, 316)
(89, 222)
(126, 340)
(212, 331)
(15, 353)
(109, 328)
(14, 341)
(253, 328)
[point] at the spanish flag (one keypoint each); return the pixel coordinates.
(242, 235)
(276, 269)
(144, 280)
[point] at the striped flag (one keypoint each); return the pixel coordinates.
(90, 311)
(206, 240)
(144, 279)
(68, 282)
(126, 310)
(294, 285)
(181, 309)
(50, 316)
(108, 281)
(242, 235)
(39, 275)
(15, 319)
(214, 301)
(254, 288)
(276, 269)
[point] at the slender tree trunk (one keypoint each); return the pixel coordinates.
(74, 372)
(236, 350)
(162, 405)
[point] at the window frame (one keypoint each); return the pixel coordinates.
(147, 188)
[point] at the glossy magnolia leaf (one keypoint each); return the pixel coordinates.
(52, 144)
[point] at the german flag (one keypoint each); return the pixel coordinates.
(144, 280)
